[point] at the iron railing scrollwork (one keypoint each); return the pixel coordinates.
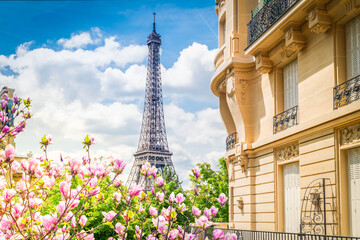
(266, 16)
(231, 141)
(347, 92)
(265, 235)
(316, 203)
(285, 119)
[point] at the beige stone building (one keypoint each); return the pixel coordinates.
(287, 75)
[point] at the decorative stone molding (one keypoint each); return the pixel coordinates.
(263, 64)
(350, 134)
(350, 5)
(243, 88)
(287, 153)
(243, 161)
(241, 157)
(319, 21)
(230, 86)
(294, 39)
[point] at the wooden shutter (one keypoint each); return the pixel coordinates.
(354, 190)
(291, 198)
(290, 77)
(353, 48)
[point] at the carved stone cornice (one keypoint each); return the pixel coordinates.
(319, 21)
(350, 134)
(287, 153)
(294, 39)
(263, 64)
(241, 157)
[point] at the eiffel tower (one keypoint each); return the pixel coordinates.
(153, 145)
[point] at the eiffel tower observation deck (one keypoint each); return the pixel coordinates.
(153, 145)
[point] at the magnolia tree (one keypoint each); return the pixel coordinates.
(24, 205)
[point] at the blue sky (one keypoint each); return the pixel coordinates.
(180, 22)
(84, 65)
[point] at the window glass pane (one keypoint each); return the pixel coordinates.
(353, 48)
(290, 77)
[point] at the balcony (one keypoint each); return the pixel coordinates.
(220, 56)
(285, 120)
(231, 141)
(264, 18)
(347, 92)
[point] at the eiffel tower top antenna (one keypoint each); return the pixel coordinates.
(154, 23)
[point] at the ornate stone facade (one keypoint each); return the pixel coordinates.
(350, 134)
(287, 153)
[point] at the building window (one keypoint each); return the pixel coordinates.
(222, 31)
(290, 77)
(352, 31)
(353, 162)
(291, 185)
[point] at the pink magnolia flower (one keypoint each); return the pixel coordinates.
(17, 210)
(222, 199)
(82, 220)
(196, 172)
(172, 197)
(135, 190)
(5, 224)
(61, 207)
(48, 181)
(138, 232)
(214, 211)
(109, 216)
(196, 192)
(160, 196)
(218, 234)
(93, 182)
(174, 233)
(119, 228)
(159, 181)
(49, 221)
(117, 181)
(8, 194)
(89, 140)
(33, 164)
(15, 166)
(117, 196)
(119, 165)
(195, 211)
(230, 236)
(146, 169)
(65, 189)
(73, 222)
(9, 153)
(203, 222)
(153, 211)
(154, 171)
(46, 140)
(180, 198)
(74, 203)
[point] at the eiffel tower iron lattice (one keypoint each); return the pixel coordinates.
(153, 145)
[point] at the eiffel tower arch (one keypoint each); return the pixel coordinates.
(153, 145)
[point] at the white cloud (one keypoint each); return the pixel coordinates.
(92, 91)
(81, 40)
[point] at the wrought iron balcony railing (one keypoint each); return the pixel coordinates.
(347, 92)
(267, 16)
(265, 235)
(231, 141)
(285, 119)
